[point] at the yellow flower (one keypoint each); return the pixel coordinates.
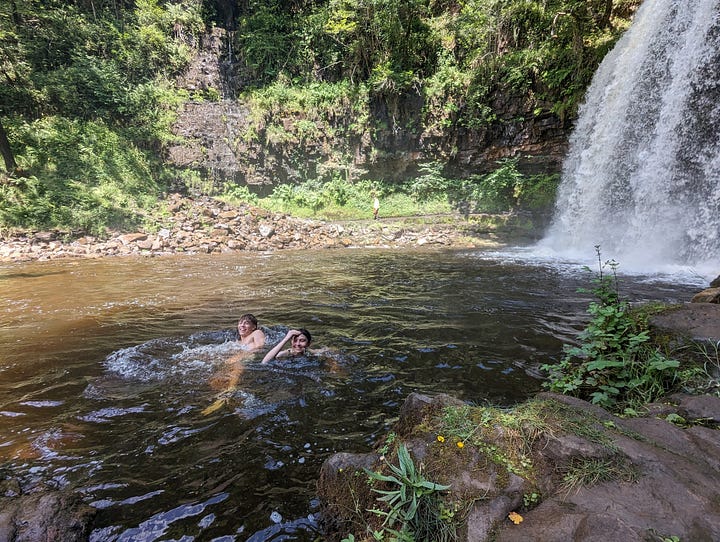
(515, 518)
(440, 438)
(460, 444)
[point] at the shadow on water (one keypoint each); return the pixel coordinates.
(9, 276)
(106, 368)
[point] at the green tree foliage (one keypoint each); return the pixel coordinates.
(457, 51)
(383, 41)
(86, 103)
(111, 64)
(77, 179)
(543, 51)
(60, 58)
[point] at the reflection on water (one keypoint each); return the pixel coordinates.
(105, 371)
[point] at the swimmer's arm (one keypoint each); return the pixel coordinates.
(275, 351)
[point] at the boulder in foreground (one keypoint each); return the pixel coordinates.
(553, 469)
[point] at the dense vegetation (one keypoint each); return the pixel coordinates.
(87, 104)
(89, 97)
(619, 364)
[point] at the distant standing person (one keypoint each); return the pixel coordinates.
(376, 206)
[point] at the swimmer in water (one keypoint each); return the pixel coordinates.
(250, 335)
(299, 345)
(253, 339)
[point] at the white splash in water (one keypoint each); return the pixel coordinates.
(642, 178)
(190, 358)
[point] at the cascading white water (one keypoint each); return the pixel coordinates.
(642, 177)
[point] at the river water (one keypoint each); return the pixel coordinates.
(105, 368)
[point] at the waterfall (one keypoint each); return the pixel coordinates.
(642, 176)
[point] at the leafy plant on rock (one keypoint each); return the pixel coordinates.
(413, 509)
(615, 364)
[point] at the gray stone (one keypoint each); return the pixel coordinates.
(665, 485)
(709, 295)
(698, 321)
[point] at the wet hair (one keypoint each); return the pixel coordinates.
(250, 318)
(306, 333)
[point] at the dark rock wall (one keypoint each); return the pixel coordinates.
(220, 139)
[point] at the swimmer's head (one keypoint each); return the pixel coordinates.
(305, 332)
(300, 342)
(248, 318)
(247, 325)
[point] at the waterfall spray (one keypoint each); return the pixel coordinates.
(642, 177)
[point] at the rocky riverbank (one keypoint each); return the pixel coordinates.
(560, 469)
(205, 225)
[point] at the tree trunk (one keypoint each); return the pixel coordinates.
(605, 19)
(6, 151)
(15, 15)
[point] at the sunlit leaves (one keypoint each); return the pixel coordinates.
(615, 365)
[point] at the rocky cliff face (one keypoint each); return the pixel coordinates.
(221, 139)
